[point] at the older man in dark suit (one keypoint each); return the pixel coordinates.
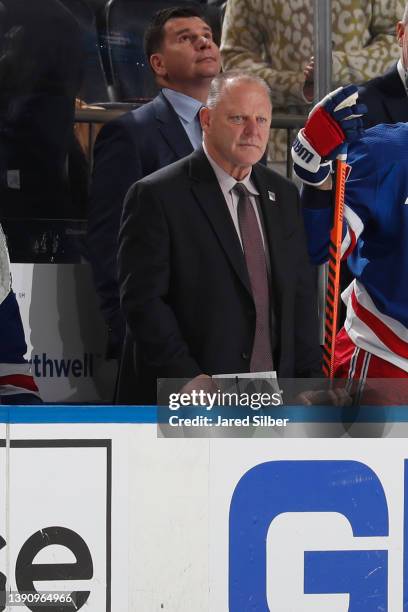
(386, 96)
(213, 267)
(184, 58)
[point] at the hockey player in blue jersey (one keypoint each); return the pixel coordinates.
(17, 385)
(374, 340)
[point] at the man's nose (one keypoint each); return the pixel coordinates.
(203, 42)
(251, 125)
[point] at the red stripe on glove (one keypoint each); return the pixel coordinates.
(323, 132)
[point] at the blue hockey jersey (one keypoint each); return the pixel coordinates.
(375, 240)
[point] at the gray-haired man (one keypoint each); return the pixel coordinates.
(213, 267)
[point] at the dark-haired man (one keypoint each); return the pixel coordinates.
(184, 59)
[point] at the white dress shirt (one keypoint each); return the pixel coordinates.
(403, 74)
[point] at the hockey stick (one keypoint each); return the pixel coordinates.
(333, 281)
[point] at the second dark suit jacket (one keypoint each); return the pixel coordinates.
(126, 150)
(386, 99)
(185, 290)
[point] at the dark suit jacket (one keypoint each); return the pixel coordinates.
(386, 99)
(185, 290)
(127, 149)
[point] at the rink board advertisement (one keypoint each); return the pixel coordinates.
(126, 520)
(64, 331)
(57, 518)
(313, 526)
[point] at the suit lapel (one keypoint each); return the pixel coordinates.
(209, 196)
(279, 225)
(395, 98)
(397, 108)
(271, 201)
(170, 127)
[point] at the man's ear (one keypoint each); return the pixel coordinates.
(158, 65)
(400, 29)
(205, 118)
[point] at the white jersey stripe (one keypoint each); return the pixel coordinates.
(12, 390)
(363, 336)
(354, 227)
(7, 369)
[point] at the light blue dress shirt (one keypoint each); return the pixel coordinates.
(187, 110)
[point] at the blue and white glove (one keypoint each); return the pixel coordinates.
(332, 123)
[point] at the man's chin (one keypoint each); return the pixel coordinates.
(253, 155)
(208, 71)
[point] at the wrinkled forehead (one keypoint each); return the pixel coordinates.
(178, 25)
(241, 95)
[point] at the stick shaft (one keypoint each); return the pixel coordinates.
(333, 282)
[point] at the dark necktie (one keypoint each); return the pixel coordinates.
(261, 358)
(197, 120)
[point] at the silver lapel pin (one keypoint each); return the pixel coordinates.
(272, 196)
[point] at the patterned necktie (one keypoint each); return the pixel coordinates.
(261, 358)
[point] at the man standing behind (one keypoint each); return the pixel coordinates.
(386, 95)
(184, 58)
(213, 268)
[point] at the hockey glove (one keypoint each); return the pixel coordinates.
(332, 123)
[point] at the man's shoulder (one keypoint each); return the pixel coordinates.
(166, 186)
(384, 97)
(145, 112)
(388, 84)
(133, 117)
(373, 86)
(168, 174)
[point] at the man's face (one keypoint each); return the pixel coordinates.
(188, 53)
(402, 37)
(236, 130)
